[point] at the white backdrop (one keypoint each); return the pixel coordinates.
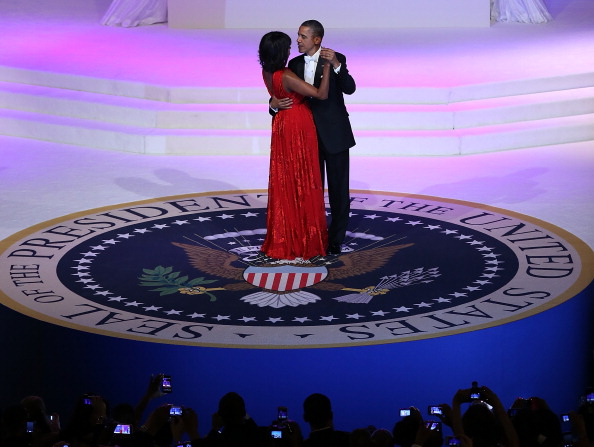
(277, 14)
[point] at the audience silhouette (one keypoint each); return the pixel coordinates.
(484, 422)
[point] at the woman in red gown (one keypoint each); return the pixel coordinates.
(296, 217)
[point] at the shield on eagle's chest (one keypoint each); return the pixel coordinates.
(284, 278)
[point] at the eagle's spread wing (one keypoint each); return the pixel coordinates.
(213, 262)
(360, 262)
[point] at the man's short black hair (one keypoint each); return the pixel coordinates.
(316, 28)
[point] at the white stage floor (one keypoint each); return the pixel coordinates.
(41, 181)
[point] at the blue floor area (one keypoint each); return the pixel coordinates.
(547, 355)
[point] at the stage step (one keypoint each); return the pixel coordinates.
(156, 114)
(256, 142)
(139, 125)
(254, 94)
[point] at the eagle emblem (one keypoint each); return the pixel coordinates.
(282, 283)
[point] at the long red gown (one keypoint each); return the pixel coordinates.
(296, 218)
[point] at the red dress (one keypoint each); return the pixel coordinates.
(296, 218)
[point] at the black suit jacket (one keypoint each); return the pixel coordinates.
(330, 115)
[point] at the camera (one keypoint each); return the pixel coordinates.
(165, 384)
(565, 417)
(434, 409)
(276, 433)
(122, 429)
(30, 426)
(453, 441)
(433, 425)
(475, 392)
(404, 412)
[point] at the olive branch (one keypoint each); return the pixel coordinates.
(167, 282)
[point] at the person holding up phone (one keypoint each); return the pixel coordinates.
(485, 421)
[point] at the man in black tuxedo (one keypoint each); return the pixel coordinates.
(335, 136)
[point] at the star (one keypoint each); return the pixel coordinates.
(226, 216)
(450, 231)
(110, 241)
(354, 316)
(202, 219)
(98, 247)
(117, 298)
(173, 312)
(301, 319)
(351, 214)
(380, 313)
(150, 308)
(195, 315)
(423, 304)
(93, 287)
(485, 249)
(250, 215)
(81, 267)
(84, 281)
(472, 289)
(84, 261)
(393, 219)
(133, 303)
(463, 236)
(458, 294)
(104, 293)
(414, 222)
(371, 216)
(90, 253)
(493, 261)
(402, 309)
(490, 255)
(181, 222)
(221, 317)
(247, 319)
(474, 242)
(274, 319)
(482, 283)
(328, 318)
(160, 226)
(433, 227)
(442, 300)
(125, 235)
(79, 274)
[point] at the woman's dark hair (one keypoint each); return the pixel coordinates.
(274, 51)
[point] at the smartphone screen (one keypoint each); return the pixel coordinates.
(122, 429)
(166, 384)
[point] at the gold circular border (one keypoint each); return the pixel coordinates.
(583, 280)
